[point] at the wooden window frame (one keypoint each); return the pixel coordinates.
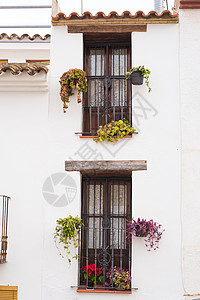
(94, 116)
(122, 254)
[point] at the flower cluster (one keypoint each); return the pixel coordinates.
(89, 271)
(148, 229)
(118, 278)
(72, 79)
(114, 131)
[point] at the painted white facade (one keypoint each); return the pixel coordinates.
(37, 138)
(190, 109)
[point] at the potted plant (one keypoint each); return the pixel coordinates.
(137, 75)
(118, 278)
(66, 232)
(70, 80)
(89, 272)
(114, 131)
(148, 229)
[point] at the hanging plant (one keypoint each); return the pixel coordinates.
(136, 74)
(72, 79)
(149, 229)
(66, 232)
(114, 131)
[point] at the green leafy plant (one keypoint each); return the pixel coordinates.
(114, 131)
(66, 232)
(118, 278)
(145, 72)
(72, 79)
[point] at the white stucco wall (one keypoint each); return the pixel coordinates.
(38, 138)
(23, 120)
(190, 111)
(156, 192)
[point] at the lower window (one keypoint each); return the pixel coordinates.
(105, 253)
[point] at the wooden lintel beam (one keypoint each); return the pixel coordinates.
(138, 21)
(106, 28)
(106, 165)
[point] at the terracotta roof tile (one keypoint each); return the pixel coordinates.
(114, 15)
(16, 69)
(24, 36)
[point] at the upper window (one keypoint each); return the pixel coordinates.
(108, 98)
(106, 205)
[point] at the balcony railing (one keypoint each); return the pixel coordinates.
(4, 202)
(104, 248)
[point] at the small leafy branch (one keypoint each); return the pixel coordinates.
(66, 232)
(72, 79)
(149, 229)
(89, 271)
(114, 131)
(145, 72)
(118, 278)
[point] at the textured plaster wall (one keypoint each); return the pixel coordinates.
(156, 192)
(37, 138)
(190, 111)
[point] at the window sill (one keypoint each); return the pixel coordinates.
(95, 136)
(84, 290)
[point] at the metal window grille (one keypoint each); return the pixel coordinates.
(109, 94)
(106, 205)
(4, 229)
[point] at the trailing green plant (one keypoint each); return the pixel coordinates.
(114, 131)
(72, 79)
(145, 72)
(118, 278)
(66, 232)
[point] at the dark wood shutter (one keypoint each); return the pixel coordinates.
(109, 95)
(106, 205)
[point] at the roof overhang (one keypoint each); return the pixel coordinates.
(103, 23)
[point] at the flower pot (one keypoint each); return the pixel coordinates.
(140, 233)
(90, 285)
(137, 78)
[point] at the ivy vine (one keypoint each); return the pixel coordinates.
(72, 79)
(66, 232)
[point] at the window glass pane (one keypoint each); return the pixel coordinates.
(118, 199)
(96, 62)
(119, 62)
(118, 233)
(95, 199)
(119, 92)
(95, 233)
(96, 92)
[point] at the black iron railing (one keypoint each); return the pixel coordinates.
(106, 206)
(108, 96)
(4, 202)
